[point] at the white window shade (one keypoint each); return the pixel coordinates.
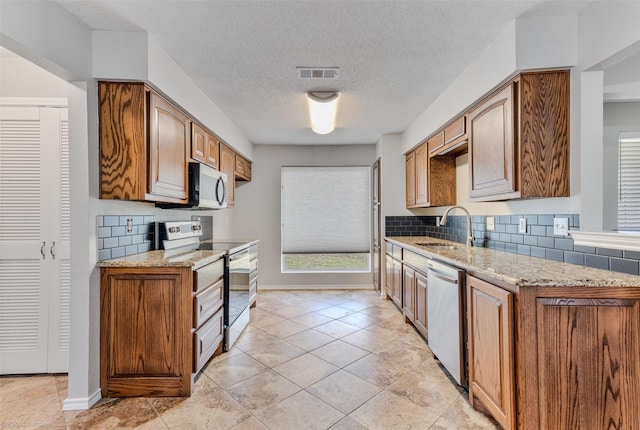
(326, 210)
(629, 177)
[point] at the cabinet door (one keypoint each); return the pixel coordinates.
(228, 166)
(198, 143)
(491, 350)
(588, 365)
(168, 137)
(408, 293)
(421, 304)
(212, 151)
(388, 278)
(422, 175)
(397, 283)
(145, 332)
(410, 172)
(491, 146)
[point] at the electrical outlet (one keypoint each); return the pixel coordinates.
(437, 221)
(129, 225)
(491, 223)
(522, 225)
(561, 226)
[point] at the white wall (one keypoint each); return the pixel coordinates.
(258, 209)
(22, 78)
(139, 56)
(618, 117)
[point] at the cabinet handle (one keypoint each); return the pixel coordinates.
(42, 250)
(53, 250)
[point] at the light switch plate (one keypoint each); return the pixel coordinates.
(522, 225)
(491, 223)
(561, 226)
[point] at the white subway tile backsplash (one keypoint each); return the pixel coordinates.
(115, 241)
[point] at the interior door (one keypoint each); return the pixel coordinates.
(34, 240)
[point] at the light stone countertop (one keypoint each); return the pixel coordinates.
(514, 269)
(192, 258)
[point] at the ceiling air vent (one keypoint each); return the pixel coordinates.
(317, 72)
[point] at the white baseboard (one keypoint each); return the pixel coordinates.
(316, 287)
(82, 403)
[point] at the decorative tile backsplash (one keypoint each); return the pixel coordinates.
(121, 235)
(539, 240)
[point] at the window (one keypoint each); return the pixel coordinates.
(325, 217)
(629, 182)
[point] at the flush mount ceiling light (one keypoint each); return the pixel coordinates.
(323, 106)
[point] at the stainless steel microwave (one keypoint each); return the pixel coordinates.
(207, 189)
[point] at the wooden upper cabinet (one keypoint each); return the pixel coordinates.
(169, 132)
(198, 142)
(492, 146)
(519, 139)
(212, 151)
(228, 166)
(491, 351)
(422, 175)
(430, 181)
(451, 140)
(410, 174)
(143, 145)
(243, 168)
(204, 146)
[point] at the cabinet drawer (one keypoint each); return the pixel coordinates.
(208, 275)
(455, 130)
(206, 340)
(207, 302)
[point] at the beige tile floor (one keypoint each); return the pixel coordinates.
(308, 360)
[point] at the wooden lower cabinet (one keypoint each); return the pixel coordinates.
(393, 280)
(145, 332)
(408, 293)
(491, 350)
(585, 346)
(158, 327)
(554, 357)
(420, 321)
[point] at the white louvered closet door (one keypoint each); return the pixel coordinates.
(34, 240)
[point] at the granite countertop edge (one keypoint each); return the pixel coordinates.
(515, 269)
(159, 258)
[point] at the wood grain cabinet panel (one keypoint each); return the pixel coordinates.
(144, 141)
(491, 350)
(169, 133)
(422, 175)
(410, 176)
(212, 151)
(408, 293)
(430, 181)
(145, 326)
(228, 166)
(588, 362)
(519, 139)
(492, 162)
(204, 146)
(420, 321)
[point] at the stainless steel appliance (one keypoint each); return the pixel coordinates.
(207, 189)
(240, 270)
(445, 312)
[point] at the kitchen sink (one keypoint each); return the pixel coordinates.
(439, 245)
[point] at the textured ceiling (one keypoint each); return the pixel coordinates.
(395, 57)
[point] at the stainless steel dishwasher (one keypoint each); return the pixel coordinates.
(445, 298)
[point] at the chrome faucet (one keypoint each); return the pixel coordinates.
(443, 222)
